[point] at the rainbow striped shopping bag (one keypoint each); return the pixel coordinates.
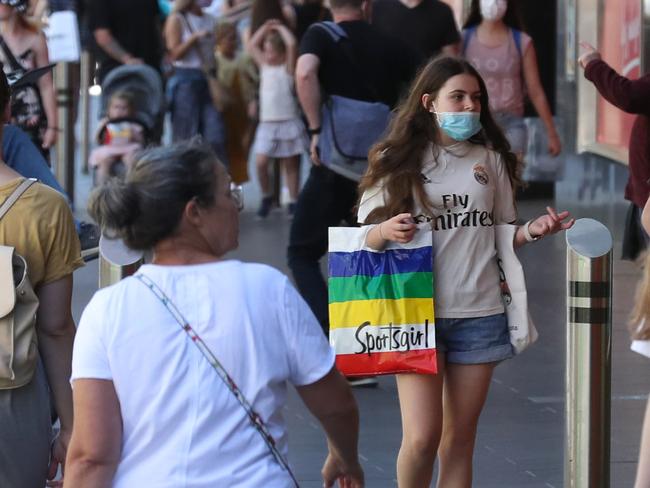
(381, 304)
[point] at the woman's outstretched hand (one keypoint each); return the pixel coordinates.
(550, 223)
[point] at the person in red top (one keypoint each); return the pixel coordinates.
(631, 96)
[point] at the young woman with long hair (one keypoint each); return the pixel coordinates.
(445, 167)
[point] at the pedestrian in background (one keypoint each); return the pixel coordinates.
(125, 32)
(382, 68)
(443, 156)
(280, 133)
(135, 412)
(22, 48)
(504, 55)
(427, 26)
(41, 229)
(631, 96)
(190, 40)
(238, 75)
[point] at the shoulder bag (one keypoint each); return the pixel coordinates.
(349, 127)
(253, 416)
(18, 306)
(513, 290)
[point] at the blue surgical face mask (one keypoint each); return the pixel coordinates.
(459, 125)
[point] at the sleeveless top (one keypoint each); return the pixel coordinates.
(501, 68)
(194, 58)
(277, 101)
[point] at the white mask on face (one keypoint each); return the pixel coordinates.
(493, 9)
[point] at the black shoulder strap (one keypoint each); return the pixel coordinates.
(15, 65)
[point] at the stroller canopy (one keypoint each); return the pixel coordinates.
(144, 83)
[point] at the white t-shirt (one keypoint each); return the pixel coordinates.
(201, 52)
(470, 192)
(182, 426)
(277, 101)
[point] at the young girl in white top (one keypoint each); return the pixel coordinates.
(280, 133)
(445, 167)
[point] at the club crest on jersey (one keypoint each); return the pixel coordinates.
(480, 174)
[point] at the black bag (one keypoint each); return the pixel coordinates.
(634, 237)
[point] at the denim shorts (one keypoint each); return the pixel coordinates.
(474, 340)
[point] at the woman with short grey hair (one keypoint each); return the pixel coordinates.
(180, 372)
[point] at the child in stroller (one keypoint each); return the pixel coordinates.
(132, 104)
(120, 135)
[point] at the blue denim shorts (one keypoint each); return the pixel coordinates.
(474, 340)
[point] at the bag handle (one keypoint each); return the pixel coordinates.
(253, 416)
(15, 195)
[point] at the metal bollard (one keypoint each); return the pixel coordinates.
(65, 139)
(116, 261)
(84, 107)
(589, 348)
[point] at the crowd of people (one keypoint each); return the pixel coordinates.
(271, 81)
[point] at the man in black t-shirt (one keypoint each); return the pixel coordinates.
(428, 26)
(126, 32)
(376, 68)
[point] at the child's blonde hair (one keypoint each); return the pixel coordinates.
(640, 319)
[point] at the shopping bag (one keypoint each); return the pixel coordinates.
(513, 290)
(381, 304)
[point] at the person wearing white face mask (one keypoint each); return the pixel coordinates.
(445, 167)
(505, 56)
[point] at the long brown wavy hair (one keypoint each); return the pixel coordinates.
(396, 161)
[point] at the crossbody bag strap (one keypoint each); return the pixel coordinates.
(15, 65)
(197, 45)
(253, 416)
(15, 195)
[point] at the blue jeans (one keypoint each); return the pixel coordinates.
(192, 111)
(326, 199)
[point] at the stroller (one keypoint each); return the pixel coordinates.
(145, 85)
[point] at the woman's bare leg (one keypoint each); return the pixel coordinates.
(420, 398)
(465, 390)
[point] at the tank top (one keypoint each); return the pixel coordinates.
(277, 101)
(501, 69)
(194, 58)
